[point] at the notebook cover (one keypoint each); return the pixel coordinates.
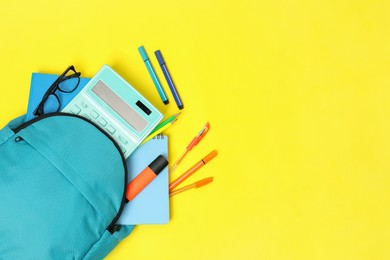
(151, 206)
(40, 83)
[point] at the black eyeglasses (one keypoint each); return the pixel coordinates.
(66, 83)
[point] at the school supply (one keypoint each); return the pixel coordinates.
(62, 187)
(168, 120)
(159, 131)
(192, 170)
(153, 75)
(195, 185)
(151, 206)
(40, 83)
(193, 143)
(120, 110)
(168, 77)
(145, 177)
(67, 82)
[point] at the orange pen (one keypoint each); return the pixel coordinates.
(193, 143)
(192, 170)
(145, 177)
(195, 185)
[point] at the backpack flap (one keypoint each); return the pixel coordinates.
(62, 187)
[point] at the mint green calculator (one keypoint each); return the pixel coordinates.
(113, 104)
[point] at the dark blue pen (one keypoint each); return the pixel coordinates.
(168, 77)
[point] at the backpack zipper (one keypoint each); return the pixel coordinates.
(112, 228)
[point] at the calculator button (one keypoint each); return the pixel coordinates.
(131, 146)
(84, 105)
(102, 121)
(111, 129)
(75, 109)
(85, 115)
(123, 140)
(123, 149)
(94, 114)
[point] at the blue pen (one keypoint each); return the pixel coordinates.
(153, 74)
(168, 77)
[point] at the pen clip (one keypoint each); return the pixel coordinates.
(199, 137)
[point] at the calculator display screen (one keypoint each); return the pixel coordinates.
(120, 106)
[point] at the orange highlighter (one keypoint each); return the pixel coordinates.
(145, 177)
(192, 170)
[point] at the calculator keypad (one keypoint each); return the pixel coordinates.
(85, 110)
(94, 114)
(122, 139)
(102, 121)
(111, 129)
(75, 109)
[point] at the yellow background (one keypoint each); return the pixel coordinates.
(297, 94)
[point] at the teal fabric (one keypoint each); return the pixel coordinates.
(61, 186)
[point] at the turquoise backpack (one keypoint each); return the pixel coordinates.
(62, 186)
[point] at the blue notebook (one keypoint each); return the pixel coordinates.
(151, 206)
(40, 83)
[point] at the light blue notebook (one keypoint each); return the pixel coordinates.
(151, 206)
